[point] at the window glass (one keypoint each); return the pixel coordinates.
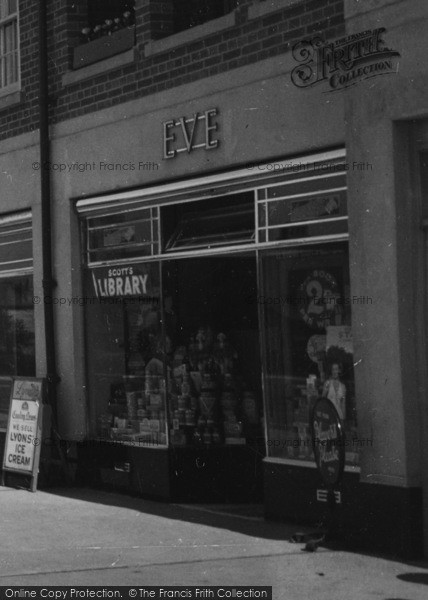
(105, 17)
(214, 383)
(123, 235)
(126, 366)
(189, 13)
(301, 185)
(7, 8)
(214, 228)
(306, 304)
(300, 231)
(9, 44)
(307, 209)
(10, 37)
(221, 221)
(17, 347)
(310, 206)
(101, 10)
(16, 247)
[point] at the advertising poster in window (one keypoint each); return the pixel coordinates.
(125, 281)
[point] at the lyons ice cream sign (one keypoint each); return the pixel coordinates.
(118, 282)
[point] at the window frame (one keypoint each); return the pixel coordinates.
(8, 379)
(4, 21)
(209, 5)
(100, 48)
(91, 10)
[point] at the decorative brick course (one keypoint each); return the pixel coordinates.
(246, 43)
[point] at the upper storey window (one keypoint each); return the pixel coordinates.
(107, 16)
(9, 45)
(109, 30)
(189, 13)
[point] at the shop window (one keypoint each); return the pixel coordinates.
(16, 245)
(302, 208)
(214, 382)
(175, 339)
(9, 45)
(17, 326)
(193, 375)
(110, 30)
(306, 303)
(123, 235)
(17, 345)
(17, 349)
(126, 362)
(189, 13)
(207, 224)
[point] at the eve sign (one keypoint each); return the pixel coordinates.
(190, 133)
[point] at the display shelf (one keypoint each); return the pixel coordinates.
(209, 403)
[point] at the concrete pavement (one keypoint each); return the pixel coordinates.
(89, 537)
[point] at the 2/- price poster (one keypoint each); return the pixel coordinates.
(23, 437)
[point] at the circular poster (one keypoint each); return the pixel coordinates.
(328, 441)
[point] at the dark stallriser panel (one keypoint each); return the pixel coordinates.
(372, 517)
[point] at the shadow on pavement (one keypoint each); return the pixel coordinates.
(248, 521)
(414, 578)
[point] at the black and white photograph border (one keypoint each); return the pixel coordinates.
(213, 299)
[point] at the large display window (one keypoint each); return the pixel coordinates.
(126, 357)
(17, 336)
(17, 356)
(306, 303)
(221, 313)
(188, 370)
(17, 345)
(214, 374)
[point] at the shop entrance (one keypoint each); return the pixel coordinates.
(215, 395)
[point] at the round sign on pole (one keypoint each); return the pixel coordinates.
(328, 441)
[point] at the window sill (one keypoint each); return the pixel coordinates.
(305, 463)
(133, 444)
(190, 35)
(270, 6)
(104, 47)
(103, 66)
(10, 98)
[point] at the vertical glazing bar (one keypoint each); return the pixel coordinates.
(266, 207)
(159, 230)
(85, 231)
(256, 215)
(1, 58)
(152, 216)
(165, 367)
(261, 318)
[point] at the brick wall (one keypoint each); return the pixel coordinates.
(246, 43)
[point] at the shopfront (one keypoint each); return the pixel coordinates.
(215, 310)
